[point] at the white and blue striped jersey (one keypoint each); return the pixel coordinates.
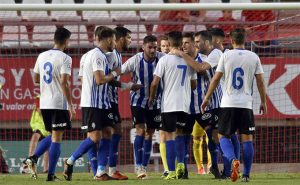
(198, 94)
(114, 61)
(213, 60)
(93, 95)
(142, 72)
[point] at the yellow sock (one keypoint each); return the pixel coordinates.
(208, 153)
(197, 155)
(163, 154)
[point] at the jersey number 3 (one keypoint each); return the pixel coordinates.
(237, 81)
(183, 68)
(48, 72)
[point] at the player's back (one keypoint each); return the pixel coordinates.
(176, 84)
(50, 65)
(240, 67)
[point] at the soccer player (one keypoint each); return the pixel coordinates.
(39, 132)
(145, 118)
(203, 41)
(239, 68)
(178, 79)
(52, 71)
(165, 48)
(123, 40)
(96, 113)
(218, 36)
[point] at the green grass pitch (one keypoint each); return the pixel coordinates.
(154, 179)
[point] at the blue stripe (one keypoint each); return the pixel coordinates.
(192, 105)
(142, 90)
(150, 78)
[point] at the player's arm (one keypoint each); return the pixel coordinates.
(126, 86)
(101, 78)
(212, 86)
(262, 92)
(36, 70)
(153, 89)
(128, 66)
(36, 78)
(193, 84)
(198, 67)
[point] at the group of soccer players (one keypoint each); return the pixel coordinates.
(169, 92)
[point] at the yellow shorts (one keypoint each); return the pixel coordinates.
(198, 131)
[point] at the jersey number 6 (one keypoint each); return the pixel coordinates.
(237, 78)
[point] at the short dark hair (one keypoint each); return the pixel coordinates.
(238, 35)
(188, 35)
(149, 38)
(99, 29)
(206, 35)
(164, 37)
(105, 33)
(218, 32)
(175, 38)
(61, 35)
(121, 32)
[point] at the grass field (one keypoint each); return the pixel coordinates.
(84, 178)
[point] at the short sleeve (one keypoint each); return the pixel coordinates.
(259, 68)
(159, 70)
(36, 68)
(213, 58)
(221, 67)
(128, 66)
(67, 66)
(98, 63)
(81, 65)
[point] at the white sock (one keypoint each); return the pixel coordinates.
(112, 170)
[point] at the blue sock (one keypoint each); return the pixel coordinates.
(147, 151)
(103, 152)
(187, 141)
(213, 148)
(82, 149)
(236, 145)
(54, 153)
(138, 149)
(113, 150)
(171, 154)
(227, 149)
(227, 165)
(248, 154)
(92, 154)
(43, 146)
(180, 152)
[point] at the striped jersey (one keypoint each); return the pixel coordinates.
(50, 65)
(114, 61)
(213, 59)
(81, 64)
(93, 95)
(142, 72)
(198, 94)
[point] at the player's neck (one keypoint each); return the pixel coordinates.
(59, 47)
(119, 48)
(219, 46)
(238, 46)
(103, 47)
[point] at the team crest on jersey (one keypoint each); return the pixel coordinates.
(206, 116)
(157, 118)
(110, 116)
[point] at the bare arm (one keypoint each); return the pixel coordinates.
(262, 92)
(36, 78)
(153, 89)
(101, 78)
(212, 86)
(65, 86)
(198, 67)
(193, 84)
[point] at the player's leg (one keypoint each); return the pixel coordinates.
(246, 129)
(139, 122)
(33, 142)
(227, 127)
(114, 144)
(168, 127)
(162, 150)
(207, 153)
(46, 162)
(92, 155)
(58, 117)
(197, 147)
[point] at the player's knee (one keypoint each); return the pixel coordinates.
(140, 131)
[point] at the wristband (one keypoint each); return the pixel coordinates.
(114, 73)
(126, 85)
